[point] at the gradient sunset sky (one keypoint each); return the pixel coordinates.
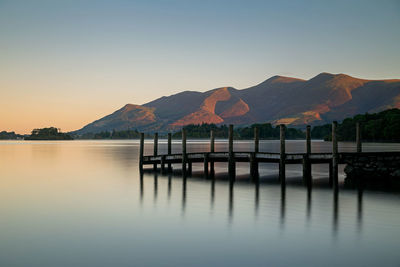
(67, 63)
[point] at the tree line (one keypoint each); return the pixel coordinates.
(265, 130)
(124, 134)
(379, 127)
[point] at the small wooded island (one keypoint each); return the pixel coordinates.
(50, 133)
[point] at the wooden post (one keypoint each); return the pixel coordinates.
(212, 150)
(253, 159)
(282, 168)
(163, 164)
(206, 165)
(256, 140)
(155, 149)
(308, 139)
(141, 152)
(358, 138)
(231, 160)
(169, 151)
(306, 158)
(184, 159)
(335, 176)
(330, 174)
(189, 167)
(253, 167)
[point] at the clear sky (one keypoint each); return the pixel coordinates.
(67, 63)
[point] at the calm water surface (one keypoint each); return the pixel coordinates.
(82, 203)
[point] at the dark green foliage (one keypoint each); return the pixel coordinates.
(321, 132)
(203, 131)
(127, 134)
(382, 126)
(9, 135)
(266, 131)
(50, 133)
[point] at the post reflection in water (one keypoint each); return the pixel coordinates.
(155, 185)
(257, 199)
(184, 181)
(231, 202)
(282, 214)
(212, 194)
(309, 191)
(141, 188)
(169, 187)
(359, 209)
(335, 212)
(283, 205)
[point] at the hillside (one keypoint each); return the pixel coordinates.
(291, 101)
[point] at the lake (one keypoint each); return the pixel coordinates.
(83, 203)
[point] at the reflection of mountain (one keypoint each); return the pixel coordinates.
(321, 99)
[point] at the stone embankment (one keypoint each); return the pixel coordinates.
(376, 166)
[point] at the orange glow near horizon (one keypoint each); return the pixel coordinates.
(23, 112)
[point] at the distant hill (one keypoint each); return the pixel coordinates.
(291, 101)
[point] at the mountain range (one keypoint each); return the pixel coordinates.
(295, 102)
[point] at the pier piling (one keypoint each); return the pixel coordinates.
(206, 165)
(335, 151)
(253, 168)
(253, 159)
(189, 170)
(155, 149)
(163, 164)
(330, 173)
(212, 150)
(184, 155)
(141, 152)
(282, 168)
(231, 160)
(256, 140)
(358, 138)
(306, 159)
(169, 151)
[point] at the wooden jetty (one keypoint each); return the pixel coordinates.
(255, 157)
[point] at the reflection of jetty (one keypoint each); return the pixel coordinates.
(356, 160)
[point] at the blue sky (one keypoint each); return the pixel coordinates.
(99, 55)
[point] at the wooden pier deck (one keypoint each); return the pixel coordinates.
(254, 157)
